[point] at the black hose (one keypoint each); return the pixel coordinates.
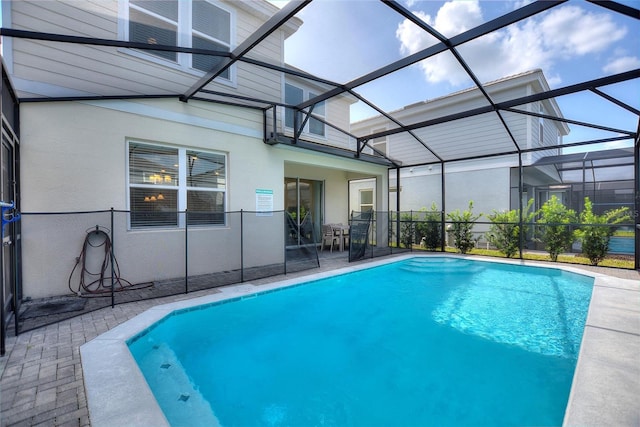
(97, 283)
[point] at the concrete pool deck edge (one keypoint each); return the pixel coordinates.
(605, 384)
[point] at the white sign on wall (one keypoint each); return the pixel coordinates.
(264, 202)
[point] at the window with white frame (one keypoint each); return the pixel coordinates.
(366, 199)
(294, 95)
(164, 181)
(202, 24)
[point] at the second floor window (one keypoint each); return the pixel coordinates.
(199, 24)
(316, 127)
(294, 95)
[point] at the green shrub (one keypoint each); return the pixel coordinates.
(461, 228)
(429, 228)
(505, 231)
(406, 229)
(596, 231)
(556, 234)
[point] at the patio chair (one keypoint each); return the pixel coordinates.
(328, 236)
(342, 233)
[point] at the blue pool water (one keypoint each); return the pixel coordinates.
(424, 341)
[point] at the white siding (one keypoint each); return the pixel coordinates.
(96, 70)
(487, 188)
(486, 181)
(451, 140)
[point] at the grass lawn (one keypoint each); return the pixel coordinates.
(616, 261)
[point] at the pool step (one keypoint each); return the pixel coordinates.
(418, 266)
(173, 389)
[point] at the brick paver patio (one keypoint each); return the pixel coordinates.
(42, 382)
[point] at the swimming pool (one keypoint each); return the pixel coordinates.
(440, 344)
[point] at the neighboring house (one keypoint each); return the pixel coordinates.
(492, 182)
(157, 155)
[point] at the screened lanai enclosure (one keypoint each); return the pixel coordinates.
(508, 106)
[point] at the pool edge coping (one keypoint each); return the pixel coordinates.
(103, 385)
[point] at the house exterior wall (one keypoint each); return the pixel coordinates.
(336, 173)
(421, 188)
(335, 209)
(74, 157)
(64, 69)
(337, 112)
(75, 154)
(422, 185)
(450, 140)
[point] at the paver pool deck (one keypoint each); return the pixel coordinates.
(42, 382)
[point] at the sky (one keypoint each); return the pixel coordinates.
(344, 39)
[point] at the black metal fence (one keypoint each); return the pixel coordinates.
(75, 262)
(412, 230)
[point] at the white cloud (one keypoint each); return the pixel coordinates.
(539, 42)
(520, 3)
(570, 30)
(412, 38)
(622, 64)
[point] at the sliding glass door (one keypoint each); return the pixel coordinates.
(304, 204)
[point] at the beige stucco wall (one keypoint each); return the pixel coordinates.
(74, 157)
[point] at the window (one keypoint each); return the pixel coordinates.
(201, 24)
(366, 200)
(154, 23)
(164, 181)
(316, 127)
(294, 95)
(211, 30)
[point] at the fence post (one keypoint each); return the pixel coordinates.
(186, 251)
(286, 233)
(398, 238)
(113, 270)
(411, 231)
(242, 245)
(443, 232)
